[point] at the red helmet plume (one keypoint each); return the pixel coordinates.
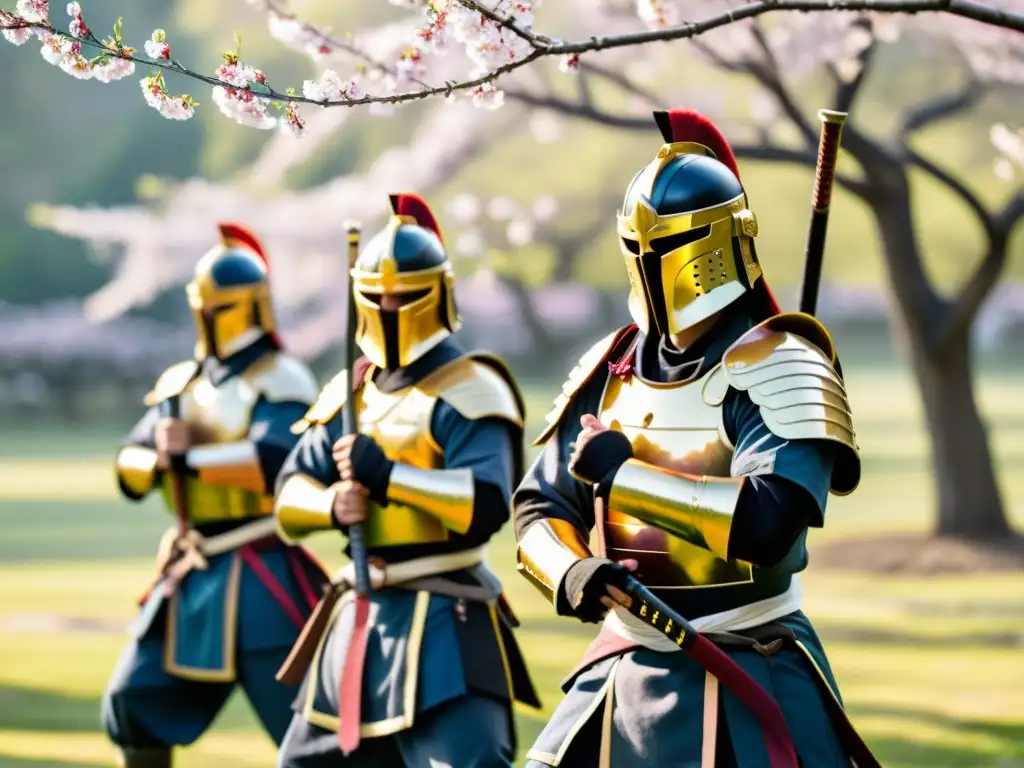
(416, 207)
(236, 236)
(689, 125)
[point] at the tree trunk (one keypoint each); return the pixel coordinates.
(966, 490)
(969, 502)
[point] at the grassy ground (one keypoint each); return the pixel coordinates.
(931, 669)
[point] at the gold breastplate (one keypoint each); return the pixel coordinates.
(226, 411)
(400, 424)
(669, 426)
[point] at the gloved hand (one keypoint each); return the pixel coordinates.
(599, 452)
(592, 586)
(361, 460)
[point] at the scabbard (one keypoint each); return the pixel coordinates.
(294, 669)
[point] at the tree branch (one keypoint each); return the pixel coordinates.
(965, 306)
(543, 47)
(623, 82)
(581, 109)
(769, 75)
(942, 107)
(846, 91)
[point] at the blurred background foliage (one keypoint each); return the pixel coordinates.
(585, 166)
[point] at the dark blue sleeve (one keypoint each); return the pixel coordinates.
(548, 490)
(311, 455)
(487, 448)
(763, 455)
(270, 432)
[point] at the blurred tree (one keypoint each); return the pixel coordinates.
(845, 45)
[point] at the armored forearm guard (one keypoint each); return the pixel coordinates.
(696, 509)
(232, 464)
(547, 550)
(446, 494)
(136, 470)
(303, 507)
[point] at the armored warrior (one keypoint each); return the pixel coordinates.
(231, 597)
(699, 444)
(428, 478)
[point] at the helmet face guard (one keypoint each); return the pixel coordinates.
(426, 313)
(230, 301)
(685, 266)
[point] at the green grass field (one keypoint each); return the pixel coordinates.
(932, 670)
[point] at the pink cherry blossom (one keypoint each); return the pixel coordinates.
(51, 49)
(569, 64)
(244, 107)
(292, 121)
(332, 87)
(34, 10)
(486, 96)
(73, 62)
(78, 27)
(297, 36)
(171, 107)
(18, 36)
(114, 68)
(657, 14)
(157, 47)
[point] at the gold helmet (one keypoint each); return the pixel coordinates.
(230, 295)
(685, 229)
(407, 259)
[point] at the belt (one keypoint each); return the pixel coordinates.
(178, 554)
(394, 574)
(411, 574)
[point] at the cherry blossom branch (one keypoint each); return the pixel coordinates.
(243, 91)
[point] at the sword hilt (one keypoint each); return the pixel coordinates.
(821, 199)
(828, 152)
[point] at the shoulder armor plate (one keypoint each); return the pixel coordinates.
(788, 367)
(283, 379)
(331, 400)
(478, 386)
(587, 366)
(172, 382)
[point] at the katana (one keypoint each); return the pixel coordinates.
(821, 199)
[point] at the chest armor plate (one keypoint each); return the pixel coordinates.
(400, 423)
(669, 426)
(226, 411)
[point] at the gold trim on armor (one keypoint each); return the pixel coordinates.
(227, 673)
(824, 680)
(412, 672)
(698, 510)
(446, 494)
(136, 468)
(232, 464)
(493, 611)
(304, 506)
(547, 550)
